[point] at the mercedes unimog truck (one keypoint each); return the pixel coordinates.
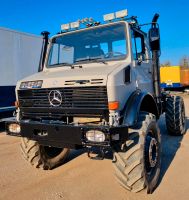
(98, 87)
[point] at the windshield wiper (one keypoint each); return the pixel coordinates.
(63, 64)
(67, 64)
(97, 60)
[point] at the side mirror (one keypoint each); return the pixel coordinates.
(154, 34)
(154, 38)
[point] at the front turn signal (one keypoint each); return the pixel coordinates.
(16, 103)
(114, 105)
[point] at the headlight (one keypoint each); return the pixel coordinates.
(95, 136)
(31, 84)
(14, 128)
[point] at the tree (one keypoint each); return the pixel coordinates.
(184, 62)
(166, 63)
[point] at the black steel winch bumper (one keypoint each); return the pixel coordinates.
(70, 136)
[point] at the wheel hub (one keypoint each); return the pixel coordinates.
(153, 152)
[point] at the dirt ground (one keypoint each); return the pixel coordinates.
(84, 179)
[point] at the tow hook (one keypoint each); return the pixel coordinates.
(94, 156)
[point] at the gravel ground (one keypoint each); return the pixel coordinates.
(82, 179)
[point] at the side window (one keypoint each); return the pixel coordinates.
(138, 46)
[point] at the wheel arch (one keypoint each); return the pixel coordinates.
(138, 101)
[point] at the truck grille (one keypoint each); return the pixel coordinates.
(75, 100)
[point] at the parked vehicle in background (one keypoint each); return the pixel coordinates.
(174, 77)
(19, 57)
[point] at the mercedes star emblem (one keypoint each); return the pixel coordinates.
(55, 98)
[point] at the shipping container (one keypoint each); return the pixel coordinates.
(174, 77)
(170, 77)
(185, 77)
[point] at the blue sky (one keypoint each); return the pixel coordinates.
(33, 16)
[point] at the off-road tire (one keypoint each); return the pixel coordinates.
(133, 169)
(41, 156)
(175, 116)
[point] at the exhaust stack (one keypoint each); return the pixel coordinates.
(45, 35)
(154, 39)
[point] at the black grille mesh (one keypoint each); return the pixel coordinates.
(72, 98)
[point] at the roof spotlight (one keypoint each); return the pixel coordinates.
(109, 17)
(65, 27)
(75, 24)
(121, 14)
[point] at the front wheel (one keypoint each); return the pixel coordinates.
(40, 156)
(137, 161)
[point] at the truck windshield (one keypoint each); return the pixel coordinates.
(101, 43)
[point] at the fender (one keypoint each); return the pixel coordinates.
(138, 101)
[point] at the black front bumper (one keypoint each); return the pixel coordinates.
(69, 136)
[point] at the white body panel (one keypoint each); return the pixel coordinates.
(19, 56)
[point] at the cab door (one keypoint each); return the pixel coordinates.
(142, 62)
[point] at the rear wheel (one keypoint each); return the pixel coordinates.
(137, 161)
(175, 116)
(44, 157)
